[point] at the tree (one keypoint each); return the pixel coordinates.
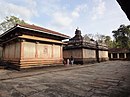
(107, 39)
(10, 22)
(99, 38)
(108, 42)
(122, 36)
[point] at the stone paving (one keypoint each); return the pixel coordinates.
(106, 79)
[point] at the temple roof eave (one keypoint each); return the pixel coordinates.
(37, 29)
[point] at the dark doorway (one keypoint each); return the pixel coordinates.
(128, 56)
(115, 55)
(109, 55)
(121, 55)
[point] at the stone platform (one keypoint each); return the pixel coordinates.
(106, 79)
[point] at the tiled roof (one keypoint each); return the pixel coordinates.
(119, 50)
(37, 29)
(41, 29)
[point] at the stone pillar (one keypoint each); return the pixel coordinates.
(125, 55)
(111, 56)
(97, 52)
(117, 55)
(52, 51)
(22, 48)
(61, 52)
(36, 49)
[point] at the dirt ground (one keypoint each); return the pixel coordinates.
(105, 79)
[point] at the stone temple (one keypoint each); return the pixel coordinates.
(84, 51)
(29, 46)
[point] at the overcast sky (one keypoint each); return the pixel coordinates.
(91, 16)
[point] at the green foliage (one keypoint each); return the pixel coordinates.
(100, 39)
(108, 41)
(122, 36)
(10, 22)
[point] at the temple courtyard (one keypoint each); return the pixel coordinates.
(105, 79)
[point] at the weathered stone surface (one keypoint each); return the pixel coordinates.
(107, 79)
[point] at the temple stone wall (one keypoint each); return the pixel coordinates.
(11, 51)
(89, 56)
(103, 55)
(88, 53)
(84, 55)
(76, 53)
(41, 51)
(26, 54)
(34, 54)
(44, 51)
(11, 54)
(29, 50)
(81, 56)
(56, 51)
